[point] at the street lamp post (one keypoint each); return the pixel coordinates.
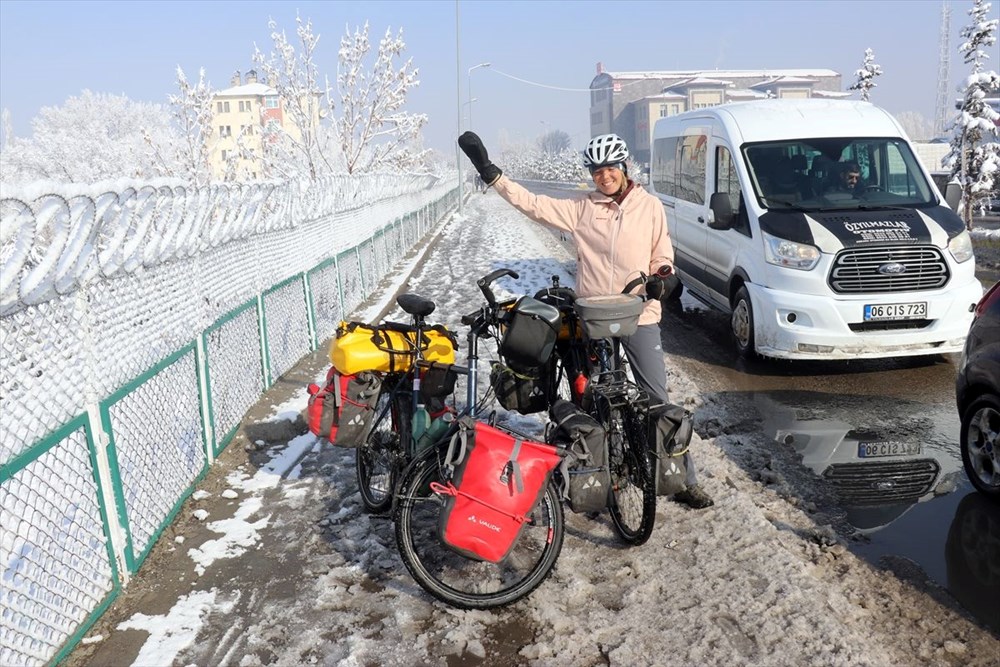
(470, 89)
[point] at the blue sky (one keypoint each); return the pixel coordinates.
(50, 51)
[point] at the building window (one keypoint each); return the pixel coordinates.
(224, 154)
(663, 111)
(220, 107)
(225, 131)
(271, 101)
(242, 107)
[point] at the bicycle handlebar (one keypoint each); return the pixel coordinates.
(487, 280)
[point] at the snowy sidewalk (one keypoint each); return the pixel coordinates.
(274, 561)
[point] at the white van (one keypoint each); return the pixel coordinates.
(764, 228)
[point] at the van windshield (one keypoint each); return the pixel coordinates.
(836, 174)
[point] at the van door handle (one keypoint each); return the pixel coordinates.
(701, 218)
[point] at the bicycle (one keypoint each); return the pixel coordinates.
(590, 356)
(397, 469)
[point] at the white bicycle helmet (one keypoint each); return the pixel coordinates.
(604, 150)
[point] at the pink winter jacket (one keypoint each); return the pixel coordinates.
(613, 242)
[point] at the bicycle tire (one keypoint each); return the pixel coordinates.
(376, 460)
(632, 497)
(458, 580)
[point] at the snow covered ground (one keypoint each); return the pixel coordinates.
(275, 562)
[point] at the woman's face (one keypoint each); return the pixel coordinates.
(609, 180)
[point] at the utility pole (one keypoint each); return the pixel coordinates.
(458, 106)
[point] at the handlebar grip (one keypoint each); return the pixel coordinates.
(487, 280)
(635, 282)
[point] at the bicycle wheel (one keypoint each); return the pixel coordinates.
(463, 582)
(377, 458)
(633, 486)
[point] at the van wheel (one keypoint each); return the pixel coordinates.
(741, 323)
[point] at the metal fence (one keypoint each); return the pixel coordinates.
(138, 327)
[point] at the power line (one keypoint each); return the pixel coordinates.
(570, 90)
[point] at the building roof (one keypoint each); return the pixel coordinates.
(247, 90)
(740, 93)
(699, 81)
(666, 96)
(723, 74)
(783, 80)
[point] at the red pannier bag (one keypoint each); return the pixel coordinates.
(497, 481)
(325, 404)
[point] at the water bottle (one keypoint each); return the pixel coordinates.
(437, 428)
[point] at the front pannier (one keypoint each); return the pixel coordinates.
(524, 392)
(497, 481)
(530, 329)
(586, 477)
(669, 437)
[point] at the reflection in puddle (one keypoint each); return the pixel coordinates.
(972, 554)
(880, 466)
(894, 465)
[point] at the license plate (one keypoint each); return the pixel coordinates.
(873, 450)
(895, 311)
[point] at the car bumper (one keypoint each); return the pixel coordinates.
(795, 326)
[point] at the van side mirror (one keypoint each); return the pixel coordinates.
(722, 209)
(953, 195)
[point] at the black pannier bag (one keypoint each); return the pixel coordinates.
(358, 411)
(437, 381)
(530, 331)
(669, 438)
(525, 392)
(585, 473)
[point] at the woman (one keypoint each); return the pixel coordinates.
(619, 231)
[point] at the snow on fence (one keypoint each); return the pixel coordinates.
(139, 324)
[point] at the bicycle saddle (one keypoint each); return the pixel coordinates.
(415, 305)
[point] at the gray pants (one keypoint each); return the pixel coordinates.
(645, 356)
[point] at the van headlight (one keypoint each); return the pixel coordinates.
(960, 247)
(782, 252)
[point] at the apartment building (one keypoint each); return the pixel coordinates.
(241, 113)
(630, 103)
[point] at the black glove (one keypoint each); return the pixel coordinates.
(472, 146)
(661, 284)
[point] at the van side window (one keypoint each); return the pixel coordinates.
(727, 181)
(664, 168)
(691, 163)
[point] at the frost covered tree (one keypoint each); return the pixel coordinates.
(866, 75)
(191, 108)
(302, 149)
(974, 158)
(92, 137)
(374, 132)
(554, 142)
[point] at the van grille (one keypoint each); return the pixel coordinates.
(856, 270)
(877, 482)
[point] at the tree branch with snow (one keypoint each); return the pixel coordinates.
(866, 75)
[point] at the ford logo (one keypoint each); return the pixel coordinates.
(892, 269)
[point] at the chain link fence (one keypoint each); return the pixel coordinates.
(138, 327)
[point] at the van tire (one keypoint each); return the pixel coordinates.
(742, 325)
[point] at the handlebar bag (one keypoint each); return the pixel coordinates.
(669, 438)
(497, 481)
(388, 347)
(585, 472)
(609, 316)
(530, 329)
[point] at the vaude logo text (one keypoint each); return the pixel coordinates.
(484, 523)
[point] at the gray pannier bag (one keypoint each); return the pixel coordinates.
(669, 438)
(359, 409)
(584, 469)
